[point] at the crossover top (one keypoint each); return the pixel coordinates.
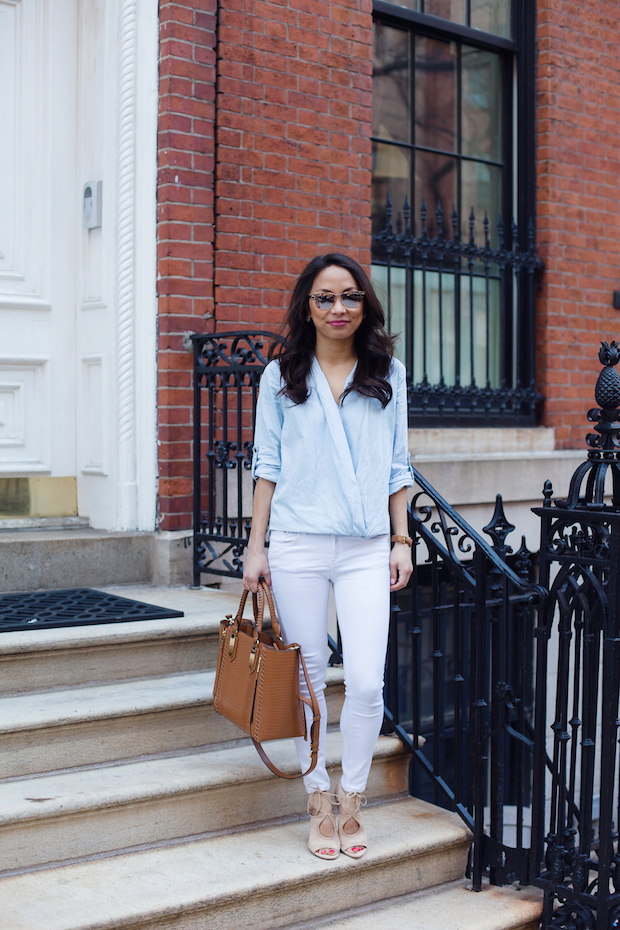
(334, 465)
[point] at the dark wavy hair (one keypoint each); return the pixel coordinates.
(374, 346)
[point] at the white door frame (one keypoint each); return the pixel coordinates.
(117, 331)
(138, 90)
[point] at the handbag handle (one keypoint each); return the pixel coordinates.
(258, 605)
(313, 704)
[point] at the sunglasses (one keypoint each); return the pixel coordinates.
(350, 300)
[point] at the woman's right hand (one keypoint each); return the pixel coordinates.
(256, 564)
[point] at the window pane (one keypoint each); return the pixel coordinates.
(391, 174)
(480, 331)
(415, 5)
(395, 315)
(435, 94)
(454, 10)
(390, 89)
(482, 108)
(491, 16)
(433, 328)
(481, 189)
(435, 181)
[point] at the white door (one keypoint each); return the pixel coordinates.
(78, 104)
(37, 237)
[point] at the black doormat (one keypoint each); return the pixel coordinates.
(37, 610)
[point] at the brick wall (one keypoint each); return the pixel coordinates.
(185, 234)
(292, 117)
(293, 173)
(293, 162)
(578, 163)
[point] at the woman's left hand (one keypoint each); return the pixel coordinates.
(400, 566)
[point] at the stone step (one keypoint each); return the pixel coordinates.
(89, 811)
(68, 656)
(454, 907)
(36, 559)
(46, 731)
(263, 879)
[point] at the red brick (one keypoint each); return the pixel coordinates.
(578, 228)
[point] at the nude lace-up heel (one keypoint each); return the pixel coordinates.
(353, 841)
(323, 840)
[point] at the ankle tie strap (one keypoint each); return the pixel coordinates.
(317, 804)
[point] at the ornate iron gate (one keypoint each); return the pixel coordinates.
(577, 805)
(227, 369)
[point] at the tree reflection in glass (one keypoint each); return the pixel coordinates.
(435, 94)
(481, 89)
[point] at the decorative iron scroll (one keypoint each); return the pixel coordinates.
(466, 311)
(577, 808)
(227, 371)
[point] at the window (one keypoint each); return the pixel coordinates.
(443, 153)
(491, 16)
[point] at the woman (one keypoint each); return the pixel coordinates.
(332, 468)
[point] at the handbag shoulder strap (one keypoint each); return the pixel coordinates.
(313, 704)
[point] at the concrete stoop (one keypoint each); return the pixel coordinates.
(78, 556)
(126, 802)
(451, 906)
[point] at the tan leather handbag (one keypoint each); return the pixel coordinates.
(257, 685)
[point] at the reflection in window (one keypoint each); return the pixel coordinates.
(481, 109)
(454, 10)
(444, 147)
(491, 16)
(437, 141)
(481, 192)
(391, 174)
(435, 94)
(435, 183)
(488, 15)
(391, 111)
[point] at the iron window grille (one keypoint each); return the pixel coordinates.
(458, 273)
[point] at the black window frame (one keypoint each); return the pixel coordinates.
(518, 63)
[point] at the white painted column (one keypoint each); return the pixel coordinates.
(127, 489)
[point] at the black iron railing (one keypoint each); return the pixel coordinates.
(227, 369)
(514, 685)
(576, 809)
(460, 674)
(464, 309)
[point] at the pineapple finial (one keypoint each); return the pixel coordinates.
(609, 353)
(607, 390)
(588, 486)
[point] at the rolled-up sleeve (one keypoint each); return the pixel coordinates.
(267, 459)
(401, 473)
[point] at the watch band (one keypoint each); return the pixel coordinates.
(407, 540)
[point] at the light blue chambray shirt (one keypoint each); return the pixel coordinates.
(334, 466)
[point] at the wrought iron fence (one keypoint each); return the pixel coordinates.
(464, 309)
(515, 685)
(460, 674)
(227, 369)
(576, 809)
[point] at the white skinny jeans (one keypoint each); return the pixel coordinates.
(302, 566)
